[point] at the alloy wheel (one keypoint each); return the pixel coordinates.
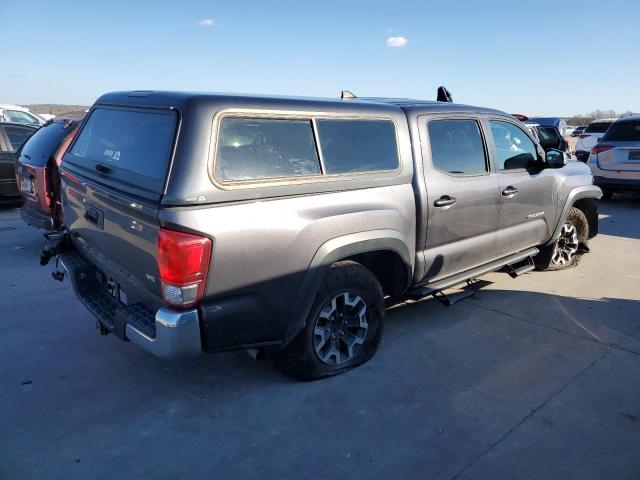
(340, 329)
(566, 246)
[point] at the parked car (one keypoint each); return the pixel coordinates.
(548, 137)
(17, 114)
(201, 222)
(37, 173)
(615, 159)
(592, 134)
(551, 132)
(578, 131)
(560, 124)
(12, 137)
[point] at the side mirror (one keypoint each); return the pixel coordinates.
(556, 158)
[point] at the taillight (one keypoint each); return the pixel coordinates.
(183, 263)
(583, 136)
(601, 147)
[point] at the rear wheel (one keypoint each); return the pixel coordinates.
(343, 329)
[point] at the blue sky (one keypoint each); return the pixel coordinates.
(544, 57)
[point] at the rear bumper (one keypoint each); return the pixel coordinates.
(35, 218)
(617, 183)
(165, 333)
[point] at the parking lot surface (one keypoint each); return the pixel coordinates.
(537, 377)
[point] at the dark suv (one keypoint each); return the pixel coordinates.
(201, 222)
(37, 171)
(12, 137)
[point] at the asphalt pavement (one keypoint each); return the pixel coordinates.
(532, 378)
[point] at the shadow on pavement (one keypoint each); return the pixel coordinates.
(620, 205)
(448, 384)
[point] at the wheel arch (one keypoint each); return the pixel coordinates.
(384, 252)
(589, 207)
(583, 198)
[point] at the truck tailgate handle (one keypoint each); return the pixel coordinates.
(445, 201)
(510, 192)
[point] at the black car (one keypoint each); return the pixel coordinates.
(12, 137)
(578, 131)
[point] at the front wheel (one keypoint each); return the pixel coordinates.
(574, 233)
(343, 328)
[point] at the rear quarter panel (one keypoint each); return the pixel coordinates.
(263, 249)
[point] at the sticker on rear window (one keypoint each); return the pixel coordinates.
(112, 154)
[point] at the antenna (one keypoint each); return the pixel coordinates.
(444, 95)
(346, 94)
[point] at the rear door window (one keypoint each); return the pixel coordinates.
(131, 146)
(627, 131)
(43, 144)
(260, 149)
(457, 147)
(355, 146)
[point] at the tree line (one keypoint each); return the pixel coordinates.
(585, 119)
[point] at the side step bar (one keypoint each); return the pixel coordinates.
(512, 261)
(516, 269)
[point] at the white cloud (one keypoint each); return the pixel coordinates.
(396, 41)
(207, 22)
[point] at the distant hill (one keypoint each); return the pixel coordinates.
(57, 109)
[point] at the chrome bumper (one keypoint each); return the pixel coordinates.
(177, 334)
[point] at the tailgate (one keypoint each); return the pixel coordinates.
(112, 182)
(117, 234)
(622, 158)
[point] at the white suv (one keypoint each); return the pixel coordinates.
(588, 138)
(17, 114)
(615, 159)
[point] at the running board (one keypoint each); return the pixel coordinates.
(438, 286)
(516, 269)
(448, 300)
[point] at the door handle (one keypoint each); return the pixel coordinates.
(445, 201)
(510, 192)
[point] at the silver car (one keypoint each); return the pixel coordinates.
(615, 159)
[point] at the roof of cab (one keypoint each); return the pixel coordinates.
(180, 99)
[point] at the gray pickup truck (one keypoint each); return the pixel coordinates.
(202, 222)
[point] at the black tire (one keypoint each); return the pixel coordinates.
(348, 280)
(562, 254)
(607, 193)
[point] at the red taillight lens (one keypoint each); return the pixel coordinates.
(583, 136)
(183, 263)
(601, 147)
